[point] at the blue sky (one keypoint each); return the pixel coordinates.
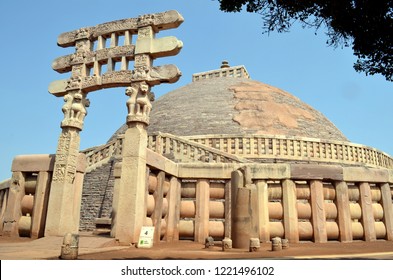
(299, 62)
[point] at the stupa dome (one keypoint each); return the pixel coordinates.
(234, 104)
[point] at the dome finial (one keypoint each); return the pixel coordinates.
(225, 64)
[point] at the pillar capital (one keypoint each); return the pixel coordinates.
(139, 103)
(74, 110)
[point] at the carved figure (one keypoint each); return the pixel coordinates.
(82, 33)
(132, 92)
(67, 106)
(74, 83)
(143, 104)
(78, 110)
(140, 73)
(146, 20)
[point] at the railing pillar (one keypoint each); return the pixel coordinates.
(368, 220)
(174, 197)
(387, 205)
(202, 211)
(157, 213)
(343, 212)
(291, 225)
(263, 211)
(318, 211)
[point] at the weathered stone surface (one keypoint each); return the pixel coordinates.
(263, 210)
(211, 171)
(270, 171)
(366, 205)
(64, 63)
(173, 217)
(44, 162)
(159, 47)
(63, 213)
(196, 104)
(13, 212)
(365, 174)
(122, 78)
(387, 204)
(159, 21)
(318, 211)
(162, 163)
(316, 171)
(40, 204)
(343, 212)
(244, 203)
(202, 211)
(66, 181)
(130, 210)
(291, 226)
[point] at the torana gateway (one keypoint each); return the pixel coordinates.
(224, 157)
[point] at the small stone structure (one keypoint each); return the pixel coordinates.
(70, 247)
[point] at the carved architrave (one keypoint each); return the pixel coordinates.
(146, 48)
(122, 78)
(159, 21)
(64, 63)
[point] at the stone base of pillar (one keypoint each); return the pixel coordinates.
(129, 210)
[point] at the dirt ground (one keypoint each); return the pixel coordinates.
(106, 249)
(188, 250)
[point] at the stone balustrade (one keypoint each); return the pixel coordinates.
(276, 148)
(180, 149)
(322, 203)
(224, 148)
(102, 154)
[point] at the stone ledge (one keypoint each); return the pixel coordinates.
(39, 162)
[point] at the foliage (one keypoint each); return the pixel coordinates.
(366, 25)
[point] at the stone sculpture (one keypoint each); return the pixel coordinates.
(87, 75)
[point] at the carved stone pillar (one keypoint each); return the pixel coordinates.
(66, 187)
(131, 206)
(244, 208)
(87, 75)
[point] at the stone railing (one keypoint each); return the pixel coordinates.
(229, 148)
(173, 147)
(102, 154)
(180, 149)
(295, 149)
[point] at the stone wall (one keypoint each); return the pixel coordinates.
(97, 195)
(4, 189)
